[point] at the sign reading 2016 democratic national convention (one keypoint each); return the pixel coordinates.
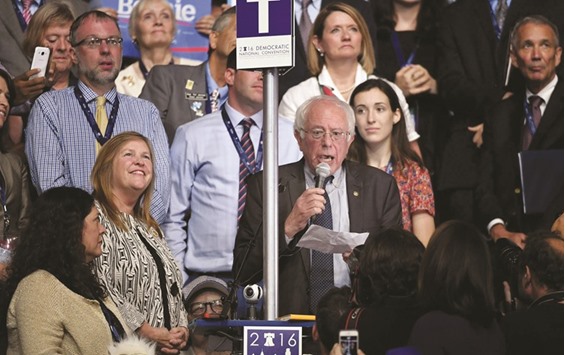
(264, 34)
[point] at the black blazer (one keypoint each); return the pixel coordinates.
(300, 71)
(374, 203)
(498, 192)
(472, 67)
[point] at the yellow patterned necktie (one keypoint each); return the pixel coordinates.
(101, 118)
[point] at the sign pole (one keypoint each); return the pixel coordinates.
(270, 192)
(265, 40)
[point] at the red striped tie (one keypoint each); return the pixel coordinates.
(247, 146)
(26, 13)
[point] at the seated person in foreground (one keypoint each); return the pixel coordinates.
(332, 306)
(53, 303)
(204, 299)
(456, 292)
(539, 328)
(386, 289)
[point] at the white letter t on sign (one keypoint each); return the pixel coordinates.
(263, 14)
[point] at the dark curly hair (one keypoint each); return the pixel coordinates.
(456, 274)
(543, 255)
(389, 265)
(53, 242)
(10, 84)
(333, 306)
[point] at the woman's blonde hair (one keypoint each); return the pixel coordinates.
(138, 8)
(367, 56)
(52, 13)
(101, 178)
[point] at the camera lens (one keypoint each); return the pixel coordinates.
(249, 292)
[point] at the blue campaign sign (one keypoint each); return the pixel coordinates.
(187, 44)
(265, 34)
(272, 341)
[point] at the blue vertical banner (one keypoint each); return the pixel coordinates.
(265, 34)
(187, 43)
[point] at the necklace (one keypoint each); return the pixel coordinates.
(347, 90)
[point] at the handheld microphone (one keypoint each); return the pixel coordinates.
(322, 173)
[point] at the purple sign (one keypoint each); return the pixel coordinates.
(258, 18)
(272, 341)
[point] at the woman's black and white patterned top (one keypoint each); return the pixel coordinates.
(130, 274)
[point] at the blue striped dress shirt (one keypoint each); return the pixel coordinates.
(60, 144)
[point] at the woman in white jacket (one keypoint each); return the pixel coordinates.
(340, 56)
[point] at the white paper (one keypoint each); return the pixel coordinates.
(327, 241)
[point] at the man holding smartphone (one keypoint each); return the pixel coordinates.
(67, 127)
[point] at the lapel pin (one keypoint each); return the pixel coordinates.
(189, 84)
(355, 193)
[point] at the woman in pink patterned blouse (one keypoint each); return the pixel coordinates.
(381, 142)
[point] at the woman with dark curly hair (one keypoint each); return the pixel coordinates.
(53, 302)
(456, 290)
(386, 287)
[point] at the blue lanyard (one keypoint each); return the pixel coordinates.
(239, 148)
(92, 122)
(398, 51)
(116, 328)
(389, 167)
(529, 117)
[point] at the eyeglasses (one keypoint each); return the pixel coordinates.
(199, 308)
(335, 135)
(95, 42)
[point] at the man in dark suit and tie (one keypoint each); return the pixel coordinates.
(531, 119)
(473, 55)
(360, 198)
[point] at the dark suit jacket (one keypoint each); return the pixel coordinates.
(18, 200)
(300, 71)
(500, 175)
(471, 71)
(12, 36)
(166, 88)
(374, 203)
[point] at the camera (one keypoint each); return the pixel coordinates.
(252, 294)
(507, 257)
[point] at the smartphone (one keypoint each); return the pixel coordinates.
(40, 61)
(349, 341)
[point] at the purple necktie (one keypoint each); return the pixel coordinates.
(535, 104)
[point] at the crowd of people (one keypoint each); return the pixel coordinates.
(132, 195)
